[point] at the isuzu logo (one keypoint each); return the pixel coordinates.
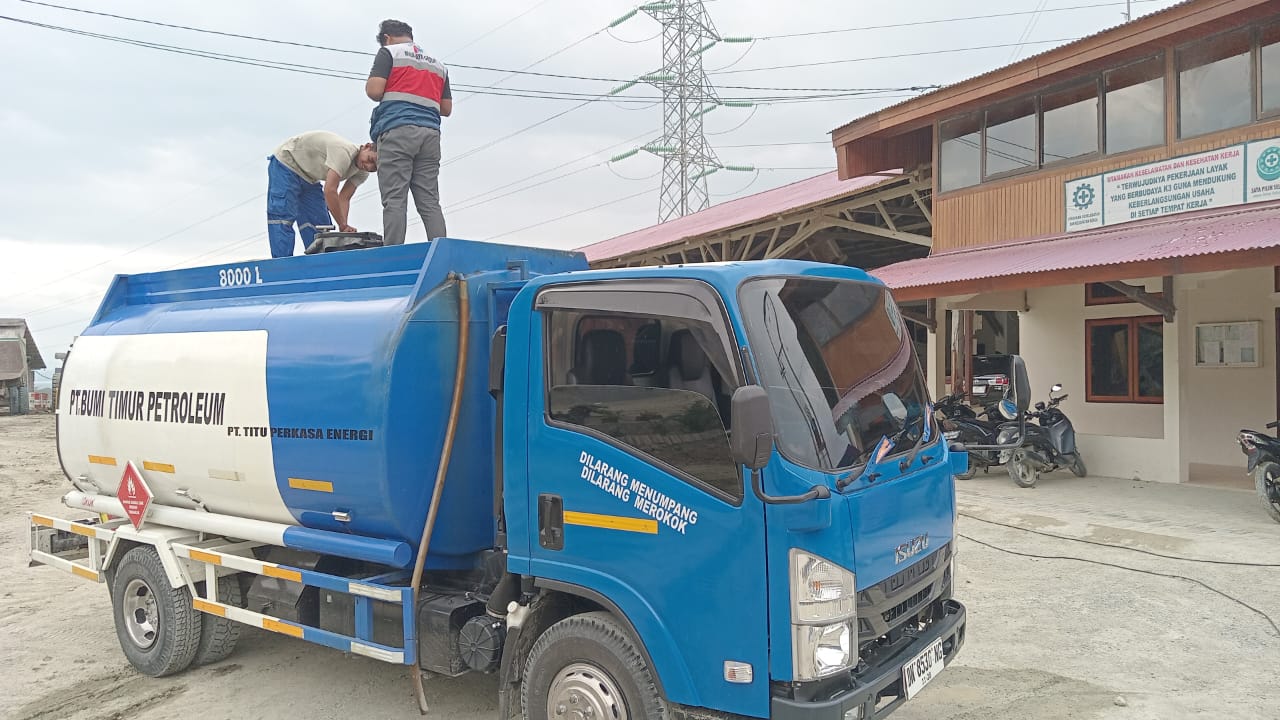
(911, 548)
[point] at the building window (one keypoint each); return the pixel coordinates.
(1124, 360)
(1070, 118)
(1103, 294)
(1011, 138)
(1215, 84)
(1135, 105)
(1269, 69)
(960, 152)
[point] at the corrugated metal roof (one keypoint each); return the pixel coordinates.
(1029, 62)
(741, 211)
(18, 328)
(1204, 233)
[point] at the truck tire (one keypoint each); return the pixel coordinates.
(591, 664)
(969, 472)
(218, 635)
(158, 629)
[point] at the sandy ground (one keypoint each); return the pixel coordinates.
(1049, 639)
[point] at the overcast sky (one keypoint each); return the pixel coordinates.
(115, 150)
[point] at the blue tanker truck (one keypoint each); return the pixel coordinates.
(710, 491)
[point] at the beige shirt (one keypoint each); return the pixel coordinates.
(313, 154)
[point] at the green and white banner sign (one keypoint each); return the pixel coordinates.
(1244, 173)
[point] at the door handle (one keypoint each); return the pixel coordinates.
(551, 521)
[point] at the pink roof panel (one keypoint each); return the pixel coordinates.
(733, 213)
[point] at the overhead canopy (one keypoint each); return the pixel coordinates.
(11, 357)
(1208, 241)
(868, 222)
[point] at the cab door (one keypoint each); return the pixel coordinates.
(632, 492)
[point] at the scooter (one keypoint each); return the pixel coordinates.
(1263, 452)
(1049, 445)
(963, 424)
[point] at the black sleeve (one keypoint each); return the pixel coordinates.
(446, 94)
(381, 64)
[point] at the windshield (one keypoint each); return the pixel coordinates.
(838, 366)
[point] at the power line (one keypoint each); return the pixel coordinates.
(922, 53)
(530, 93)
(496, 28)
(522, 71)
(566, 216)
(940, 21)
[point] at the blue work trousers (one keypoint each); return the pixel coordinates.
(291, 199)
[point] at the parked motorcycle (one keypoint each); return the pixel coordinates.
(1050, 443)
(1263, 452)
(965, 425)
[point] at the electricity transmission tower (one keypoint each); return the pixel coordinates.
(687, 96)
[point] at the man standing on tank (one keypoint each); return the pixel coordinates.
(303, 178)
(412, 92)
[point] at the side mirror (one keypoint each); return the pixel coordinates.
(1020, 384)
(1057, 387)
(751, 439)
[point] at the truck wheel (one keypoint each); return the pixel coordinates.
(588, 666)
(218, 635)
(970, 472)
(1023, 472)
(1266, 479)
(158, 629)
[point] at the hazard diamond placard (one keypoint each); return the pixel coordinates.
(134, 495)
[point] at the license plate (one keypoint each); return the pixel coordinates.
(979, 389)
(922, 668)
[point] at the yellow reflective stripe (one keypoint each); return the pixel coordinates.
(611, 522)
(158, 467)
(42, 520)
(209, 607)
(102, 460)
(84, 530)
(283, 628)
(85, 573)
(204, 557)
(317, 485)
(275, 572)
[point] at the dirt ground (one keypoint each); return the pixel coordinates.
(1049, 639)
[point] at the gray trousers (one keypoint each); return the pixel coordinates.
(409, 160)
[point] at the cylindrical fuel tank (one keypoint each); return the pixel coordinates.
(310, 391)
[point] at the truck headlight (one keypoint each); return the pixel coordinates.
(824, 606)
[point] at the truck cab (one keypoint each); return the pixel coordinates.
(797, 588)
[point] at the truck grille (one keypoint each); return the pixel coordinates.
(894, 600)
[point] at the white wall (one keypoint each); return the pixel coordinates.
(1203, 407)
(1220, 401)
(1117, 439)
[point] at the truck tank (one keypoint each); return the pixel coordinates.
(309, 391)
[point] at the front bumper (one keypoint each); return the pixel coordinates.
(882, 681)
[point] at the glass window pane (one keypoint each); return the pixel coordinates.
(1150, 360)
(1269, 53)
(658, 384)
(961, 153)
(1011, 137)
(1214, 85)
(1109, 360)
(1070, 122)
(679, 427)
(1135, 105)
